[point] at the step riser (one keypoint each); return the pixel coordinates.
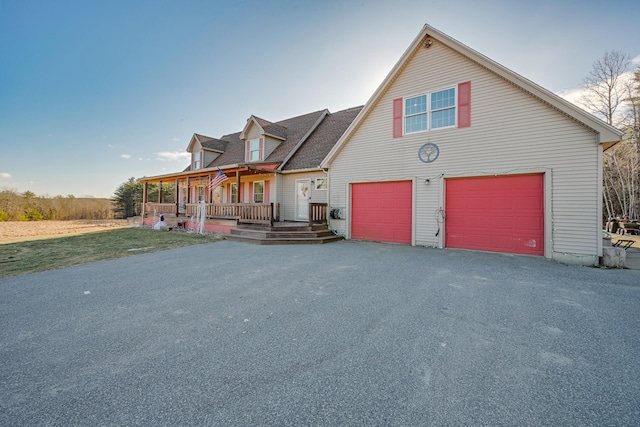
(284, 241)
(281, 228)
(272, 235)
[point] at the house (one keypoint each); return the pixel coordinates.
(270, 172)
(456, 151)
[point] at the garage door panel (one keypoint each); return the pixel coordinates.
(502, 214)
(382, 211)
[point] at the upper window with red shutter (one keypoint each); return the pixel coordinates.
(446, 108)
(254, 150)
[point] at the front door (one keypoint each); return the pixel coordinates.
(303, 190)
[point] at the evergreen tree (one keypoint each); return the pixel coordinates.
(128, 198)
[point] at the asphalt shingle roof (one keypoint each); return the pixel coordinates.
(308, 155)
(322, 140)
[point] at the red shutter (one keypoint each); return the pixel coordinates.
(266, 192)
(251, 192)
(397, 118)
(261, 149)
(247, 151)
(229, 194)
(464, 105)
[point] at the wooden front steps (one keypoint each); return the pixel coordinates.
(281, 234)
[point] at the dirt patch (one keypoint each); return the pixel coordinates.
(22, 231)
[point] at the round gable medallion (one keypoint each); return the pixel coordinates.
(429, 152)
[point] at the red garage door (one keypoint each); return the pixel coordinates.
(500, 214)
(381, 211)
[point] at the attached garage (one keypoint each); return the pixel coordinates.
(382, 211)
(498, 213)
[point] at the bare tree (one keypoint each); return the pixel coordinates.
(610, 93)
(604, 87)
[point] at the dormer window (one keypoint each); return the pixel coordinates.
(254, 150)
(197, 160)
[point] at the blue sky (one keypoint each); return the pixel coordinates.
(95, 92)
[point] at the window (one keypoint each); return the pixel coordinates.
(196, 160)
(258, 192)
(443, 107)
(430, 111)
(200, 194)
(234, 193)
(321, 183)
(415, 111)
(254, 150)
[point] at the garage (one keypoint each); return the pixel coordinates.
(382, 211)
(498, 213)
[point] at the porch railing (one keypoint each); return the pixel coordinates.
(243, 212)
(256, 214)
(317, 213)
(165, 208)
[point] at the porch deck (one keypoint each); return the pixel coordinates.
(247, 222)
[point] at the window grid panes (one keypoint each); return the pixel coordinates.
(258, 192)
(255, 150)
(234, 193)
(443, 109)
(415, 114)
(438, 112)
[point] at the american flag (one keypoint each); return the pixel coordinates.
(217, 180)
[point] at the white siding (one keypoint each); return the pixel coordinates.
(511, 132)
(288, 201)
(270, 144)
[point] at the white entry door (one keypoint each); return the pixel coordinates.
(303, 191)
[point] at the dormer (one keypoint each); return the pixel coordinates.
(204, 150)
(261, 137)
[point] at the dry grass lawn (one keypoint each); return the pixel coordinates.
(81, 245)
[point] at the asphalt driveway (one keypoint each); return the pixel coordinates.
(349, 333)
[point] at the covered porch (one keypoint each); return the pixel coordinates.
(242, 213)
(248, 195)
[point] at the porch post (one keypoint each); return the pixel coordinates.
(188, 190)
(145, 196)
(177, 198)
(160, 192)
(238, 187)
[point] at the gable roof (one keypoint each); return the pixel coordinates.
(267, 128)
(306, 140)
(607, 134)
(207, 143)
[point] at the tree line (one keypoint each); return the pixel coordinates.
(27, 206)
(126, 202)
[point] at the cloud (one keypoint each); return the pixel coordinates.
(636, 60)
(5, 175)
(178, 139)
(109, 146)
(169, 156)
(125, 156)
(572, 95)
